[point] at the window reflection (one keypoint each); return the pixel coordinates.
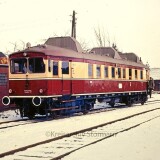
(36, 65)
(19, 65)
(55, 68)
(65, 67)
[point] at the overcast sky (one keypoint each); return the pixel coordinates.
(134, 25)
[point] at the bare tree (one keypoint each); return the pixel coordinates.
(84, 45)
(17, 46)
(101, 38)
(14, 45)
(23, 44)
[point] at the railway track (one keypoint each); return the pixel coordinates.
(17, 123)
(20, 122)
(66, 143)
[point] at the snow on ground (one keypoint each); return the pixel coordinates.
(141, 143)
(14, 114)
(15, 137)
(9, 115)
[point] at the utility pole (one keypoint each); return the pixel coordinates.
(73, 32)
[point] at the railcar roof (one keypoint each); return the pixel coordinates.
(62, 52)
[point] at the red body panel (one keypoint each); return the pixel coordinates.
(63, 87)
(4, 86)
(27, 87)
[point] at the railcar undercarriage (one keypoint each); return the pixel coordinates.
(68, 105)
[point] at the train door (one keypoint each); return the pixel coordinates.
(66, 77)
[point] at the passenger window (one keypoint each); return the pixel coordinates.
(65, 67)
(130, 73)
(119, 72)
(113, 72)
(141, 74)
(136, 74)
(55, 68)
(105, 71)
(90, 70)
(124, 73)
(98, 69)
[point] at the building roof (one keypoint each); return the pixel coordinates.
(155, 73)
(2, 55)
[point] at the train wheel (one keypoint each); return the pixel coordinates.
(85, 111)
(143, 99)
(86, 108)
(129, 102)
(53, 115)
(31, 112)
(28, 109)
(31, 116)
(112, 103)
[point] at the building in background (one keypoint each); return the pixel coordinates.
(155, 74)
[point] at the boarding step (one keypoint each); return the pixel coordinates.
(66, 108)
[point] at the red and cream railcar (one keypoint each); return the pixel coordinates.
(3, 79)
(58, 77)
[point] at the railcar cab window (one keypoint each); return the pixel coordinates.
(32, 65)
(36, 65)
(65, 67)
(18, 66)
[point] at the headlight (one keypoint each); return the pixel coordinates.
(41, 91)
(10, 91)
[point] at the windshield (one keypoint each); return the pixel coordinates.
(27, 65)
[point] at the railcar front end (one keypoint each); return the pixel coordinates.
(27, 81)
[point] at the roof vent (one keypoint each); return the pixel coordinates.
(28, 45)
(65, 42)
